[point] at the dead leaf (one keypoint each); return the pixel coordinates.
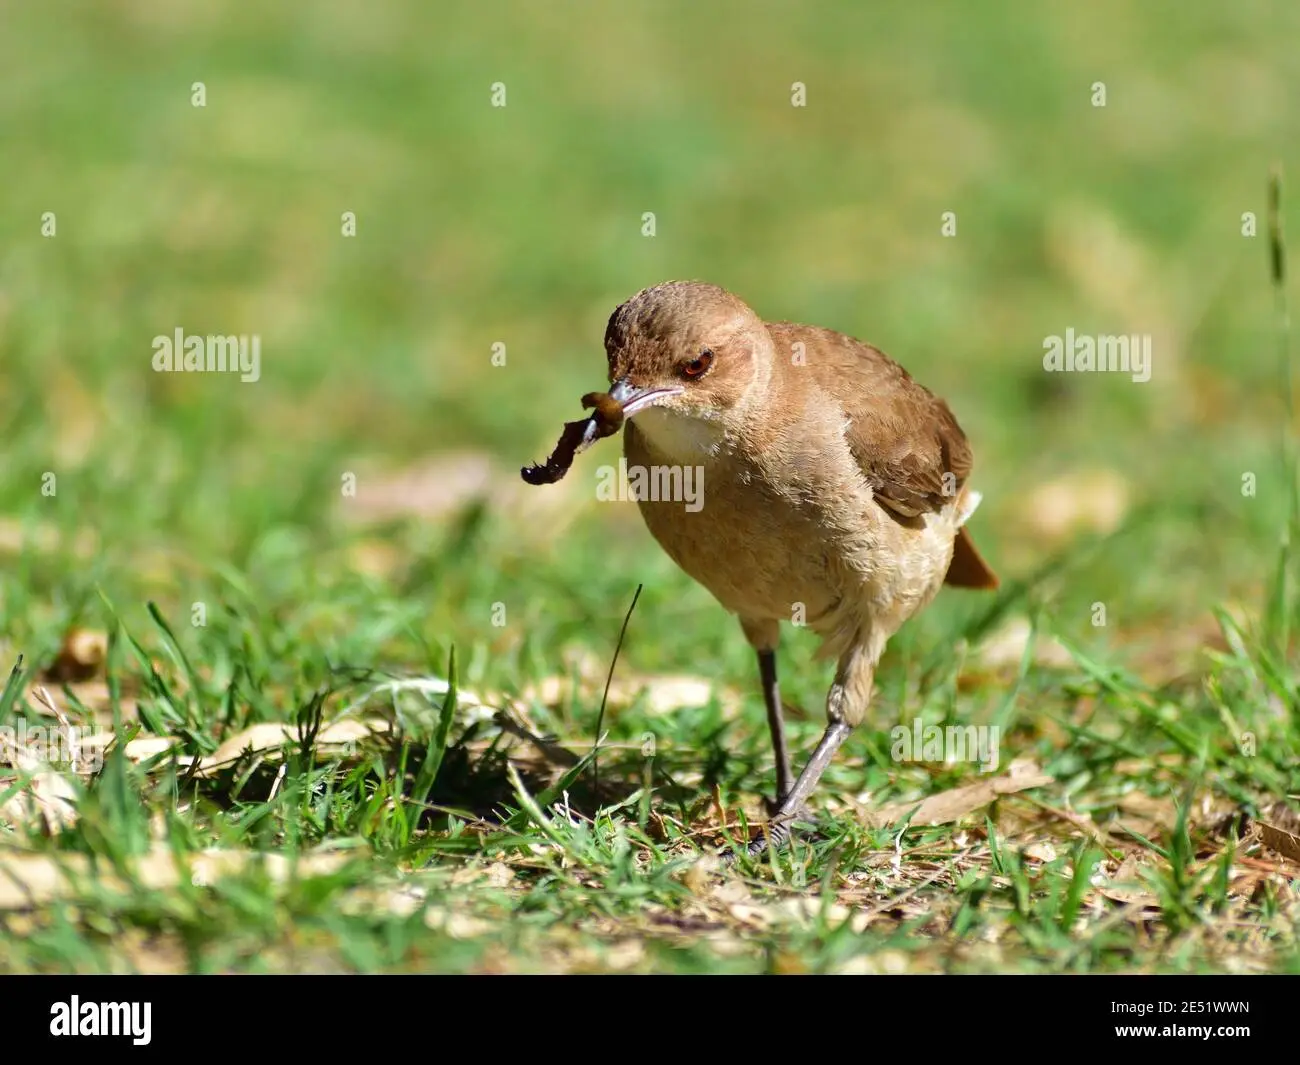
(207, 867)
(1150, 816)
(442, 487)
(430, 492)
(45, 538)
(375, 558)
(1083, 501)
(269, 737)
(1126, 884)
(80, 657)
(47, 795)
(953, 805)
(1285, 843)
(142, 748)
(1041, 851)
(44, 792)
(455, 924)
(665, 693)
(1284, 817)
(28, 880)
(1005, 648)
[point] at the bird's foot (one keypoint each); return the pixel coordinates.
(776, 832)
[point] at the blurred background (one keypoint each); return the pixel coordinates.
(523, 225)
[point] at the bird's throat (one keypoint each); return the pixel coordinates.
(680, 437)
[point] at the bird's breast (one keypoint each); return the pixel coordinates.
(796, 537)
(759, 552)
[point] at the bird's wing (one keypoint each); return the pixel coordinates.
(904, 438)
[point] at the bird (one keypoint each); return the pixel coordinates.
(835, 490)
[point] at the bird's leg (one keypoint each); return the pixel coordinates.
(775, 725)
(792, 806)
(846, 705)
(763, 636)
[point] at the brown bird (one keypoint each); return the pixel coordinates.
(834, 488)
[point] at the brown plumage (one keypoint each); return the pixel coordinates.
(834, 485)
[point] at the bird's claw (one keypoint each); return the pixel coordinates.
(774, 833)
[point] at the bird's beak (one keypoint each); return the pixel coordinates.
(634, 399)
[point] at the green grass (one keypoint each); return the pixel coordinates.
(446, 842)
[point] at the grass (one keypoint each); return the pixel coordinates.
(205, 536)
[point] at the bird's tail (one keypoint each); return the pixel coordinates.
(967, 569)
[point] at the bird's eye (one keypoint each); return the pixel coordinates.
(697, 366)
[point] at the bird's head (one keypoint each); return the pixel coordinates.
(686, 350)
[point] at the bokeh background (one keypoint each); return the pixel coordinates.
(522, 225)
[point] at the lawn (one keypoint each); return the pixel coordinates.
(335, 675)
